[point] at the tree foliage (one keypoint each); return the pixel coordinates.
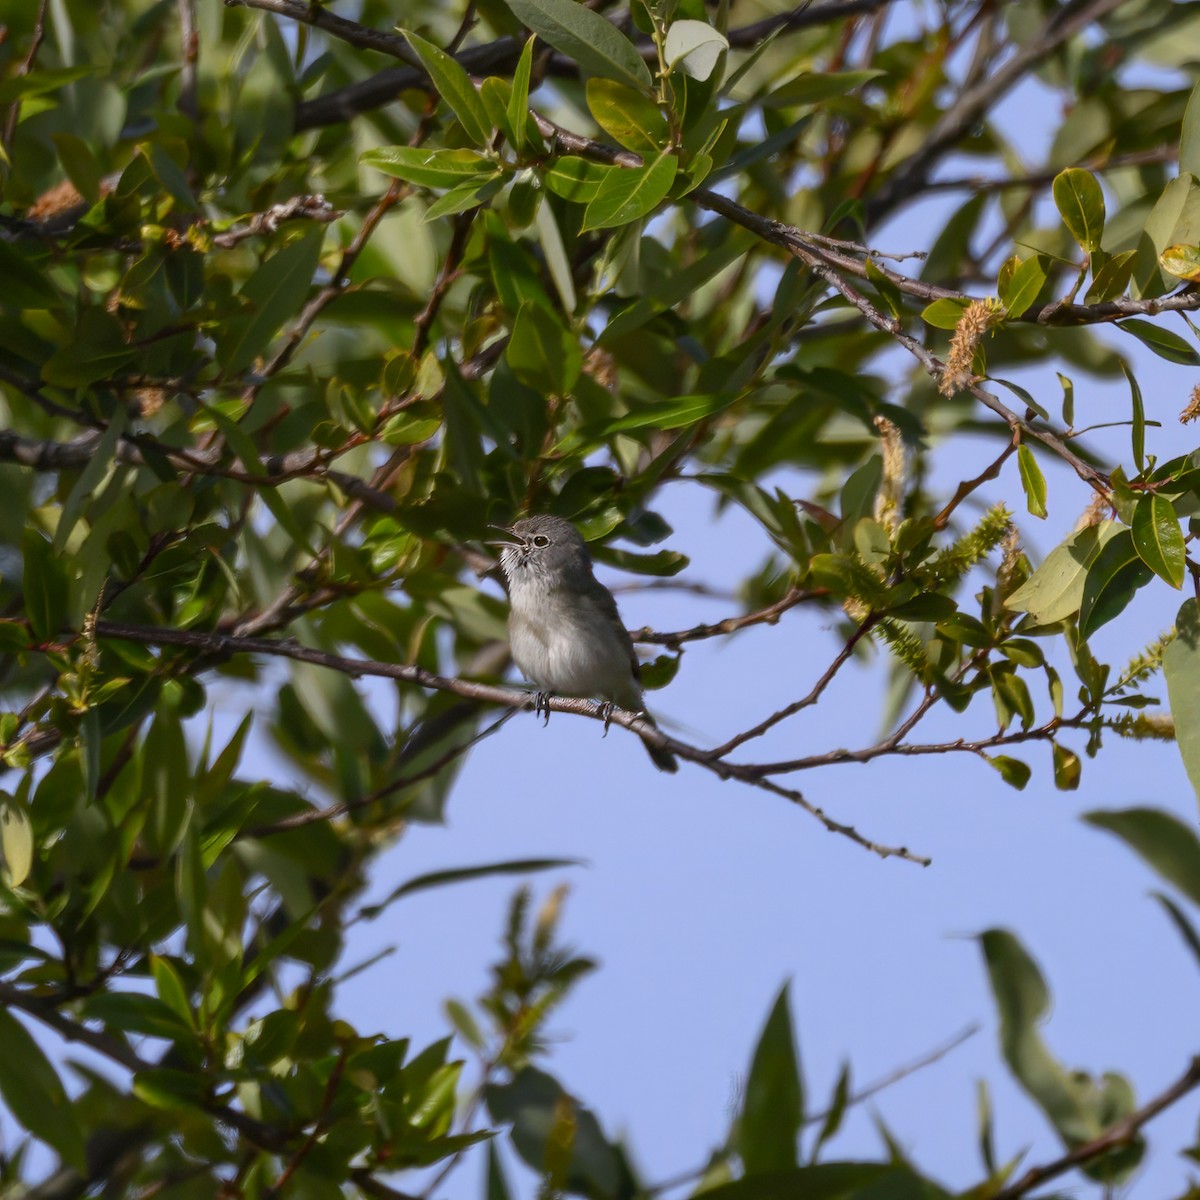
(284, 328)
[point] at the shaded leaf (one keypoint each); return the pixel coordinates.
(1112, 579)
(1167, 844)
(34, 1093)
(1159, 539)
(586, 38)
(773, 1107)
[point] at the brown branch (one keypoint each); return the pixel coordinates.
(299, 208)
(499, 56)
(219, 646)
(793, 241)
(319, 17)
(49, 455)
(1120, 1134)
(806, 701)
(763, 616)
(967, 486)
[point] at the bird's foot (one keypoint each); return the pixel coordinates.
(541, 706)
(605, 711)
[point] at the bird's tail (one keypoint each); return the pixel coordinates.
(662, 758)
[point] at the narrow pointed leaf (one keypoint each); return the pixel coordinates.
(773, 1108)
(455, 87)
(1032, 480)
(518, 101)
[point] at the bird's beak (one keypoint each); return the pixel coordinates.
(510, 540)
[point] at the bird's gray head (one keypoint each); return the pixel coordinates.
(542, 549)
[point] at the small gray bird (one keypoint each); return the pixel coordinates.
(566, 634)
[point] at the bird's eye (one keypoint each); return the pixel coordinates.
(540, 540)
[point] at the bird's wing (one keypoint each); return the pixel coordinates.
(602, 598)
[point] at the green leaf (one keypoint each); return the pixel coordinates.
(170, 989)
(1023, 1001)
(275, 292)
(827, 1181)
(1032, 480)
(1068, 400)
(1112, 279)
(1181, 669)
(1167, 844)
(555, 253)
(577, 179)
(455, 87)
(628, 116)
(695, 46)
(79, 163)
(436, 879)
(1189, 137)
(1163, 342)
(496, 94)
(1067, 768)
(835, 1112)
(584, 37)
(518, 102)
(16, 840)
(1138, 430)
(244, 447)
(1013, 771)
(1054, 591)
(459, 199)
(1080, 202)
(1158, 538)
(1179, 919)
(671, 414)
(944, 313)
(25, 286)
(1112, 580)
(1021, 288)
(542, 352)
(97, 351)
(812, 87)
(428, 168)
(41, 81)
(44, 581)
(773, 1107)
(34, 1093)
(627, 195)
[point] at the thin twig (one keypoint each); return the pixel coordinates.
(219, 646)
